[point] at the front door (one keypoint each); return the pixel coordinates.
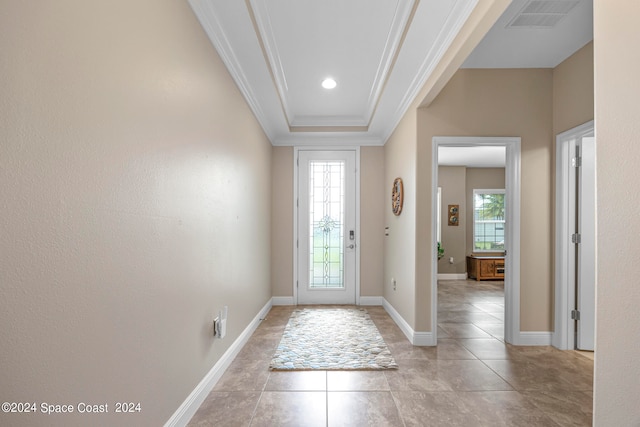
(326, 235)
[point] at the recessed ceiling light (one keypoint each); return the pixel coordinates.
(329, 83)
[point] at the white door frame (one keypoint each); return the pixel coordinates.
(512, 228)
(296, 150)
(564, 335)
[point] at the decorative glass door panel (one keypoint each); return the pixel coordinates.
(326, 227)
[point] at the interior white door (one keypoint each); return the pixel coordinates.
(586, 271)
(326, 236)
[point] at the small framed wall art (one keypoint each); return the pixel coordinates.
(454, 211)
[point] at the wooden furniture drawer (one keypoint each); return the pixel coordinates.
(485, 268)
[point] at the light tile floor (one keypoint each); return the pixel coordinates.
(472, 378)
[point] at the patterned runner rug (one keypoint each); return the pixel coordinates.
(331, 339)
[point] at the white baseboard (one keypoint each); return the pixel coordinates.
(559, 341)
(283, 301)
(402, 324)
(363, 301)
(415, 338)
(189, 407)
(424, 339)
(452, 276)
(371, 300)
(533, 338)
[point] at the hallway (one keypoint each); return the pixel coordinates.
(471, 379)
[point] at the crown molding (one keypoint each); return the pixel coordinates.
(459, 15)
(208, 18)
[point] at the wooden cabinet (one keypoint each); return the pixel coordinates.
(485, 267)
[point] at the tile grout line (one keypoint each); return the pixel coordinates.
(255, 410)
(395, 402)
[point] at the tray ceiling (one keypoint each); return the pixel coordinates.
(380, 53)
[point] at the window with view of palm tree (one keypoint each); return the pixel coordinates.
(488, 220)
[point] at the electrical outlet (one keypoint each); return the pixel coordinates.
(393, 283)
(216, 327)
(220, 323)
(450, 260)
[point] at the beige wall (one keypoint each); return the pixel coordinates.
(480, 178)
(573, 90)
(499, 103)
(136, 202)
(372, 208)
(452, 181)
(617, 67)
(282, 222)
(399, 246)
(371, 221)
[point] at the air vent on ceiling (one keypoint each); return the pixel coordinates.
(542, 14)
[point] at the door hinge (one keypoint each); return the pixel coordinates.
(576, 238)
(297, 243)
(575, 314)
(296, 283)
(576, 162)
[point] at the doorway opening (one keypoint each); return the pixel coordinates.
(511, 146)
